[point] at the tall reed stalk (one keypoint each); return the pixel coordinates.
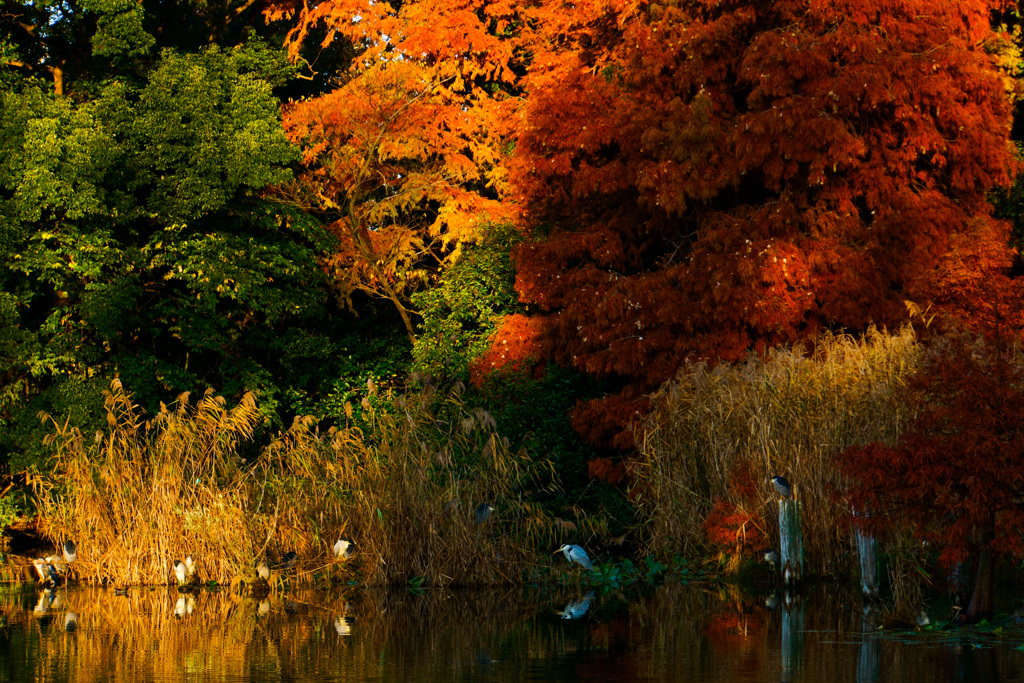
(790, 412)
(403, 480)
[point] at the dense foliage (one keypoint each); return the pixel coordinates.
(562, 206)
(734, 175)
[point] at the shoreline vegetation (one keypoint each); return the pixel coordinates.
(405, 476)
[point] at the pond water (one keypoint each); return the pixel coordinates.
(669, 633)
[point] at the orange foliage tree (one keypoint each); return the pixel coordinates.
(707, 178)
(404, 158)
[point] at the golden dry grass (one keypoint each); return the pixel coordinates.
(403, 483)
(788, 413)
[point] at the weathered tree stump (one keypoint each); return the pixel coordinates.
(791, 545)
(867, 551)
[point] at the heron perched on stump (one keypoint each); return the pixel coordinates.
(772, 558)
(782, 486)
(576, 554)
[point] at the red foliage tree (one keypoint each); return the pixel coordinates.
(717, 177)
(957, 476)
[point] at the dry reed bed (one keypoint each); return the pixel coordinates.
(403, 481)
(788, 413)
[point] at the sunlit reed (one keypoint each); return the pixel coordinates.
(790, 413)
(403, 482)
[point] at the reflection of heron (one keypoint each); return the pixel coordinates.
(184, 606)
(343, 625)
(43, 604)
(263, 609)
(344, 548)
(576, 554)
(782, 486)
(70, 621)
(483, 511)
(577, 608)
(772, 558)
(771, 601)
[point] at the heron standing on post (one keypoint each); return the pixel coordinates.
(782, 486)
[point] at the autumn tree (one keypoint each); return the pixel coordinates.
(709, 178)
(956, 477)
(404, 159)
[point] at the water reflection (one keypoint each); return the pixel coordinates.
(672, 633)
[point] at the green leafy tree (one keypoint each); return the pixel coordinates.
(138, 241)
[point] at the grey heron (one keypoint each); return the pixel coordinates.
(263, 570)
(70, 551)
(576, 554)
(772, 558)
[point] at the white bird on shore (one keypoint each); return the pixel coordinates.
(183, 571)
(576, 554)
(344, 548)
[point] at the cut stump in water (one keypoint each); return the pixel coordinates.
(791, 544)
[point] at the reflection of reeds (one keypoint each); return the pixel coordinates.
(790, 413)
(143, 493)
(675, 633)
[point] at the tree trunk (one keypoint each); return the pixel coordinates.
(982, 602)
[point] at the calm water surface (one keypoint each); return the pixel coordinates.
(671, 633)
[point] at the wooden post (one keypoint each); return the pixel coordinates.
(791, 544)
(867, 551)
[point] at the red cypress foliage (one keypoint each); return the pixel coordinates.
(732, 175)
(957, 477)
(734, 525)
